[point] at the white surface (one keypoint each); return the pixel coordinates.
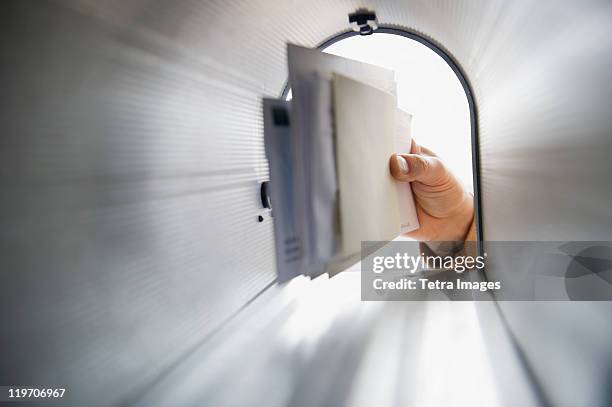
(133, 156)
(314, 343)
(428, 89)
(365, 140)
(403, 137)
(315, 184)
(278, 145)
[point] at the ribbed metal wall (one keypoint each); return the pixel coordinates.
(132, 152)
(130, 171)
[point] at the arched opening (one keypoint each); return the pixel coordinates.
(432, 87)
(427, 88)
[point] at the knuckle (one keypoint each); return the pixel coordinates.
(423, 164)
(437, 163)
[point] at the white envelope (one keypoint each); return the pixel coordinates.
(279, 151)
(315, 179)
(403, 137)
(366, 126)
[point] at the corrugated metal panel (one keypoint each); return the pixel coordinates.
(130, 173)
(132, 152)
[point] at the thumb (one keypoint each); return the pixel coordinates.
(415, 167)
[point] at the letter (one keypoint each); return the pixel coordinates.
(438, 260)
(389, 262)
(469, 262)
(398, 259)
(377, 287)
(480, 262)
(405, 258)
(468, 285)
(377, 264)
(415, 263)
(459, 264)
(448, 262)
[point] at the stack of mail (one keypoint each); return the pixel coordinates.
(329, 151)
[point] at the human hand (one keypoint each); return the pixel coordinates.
(445, 210)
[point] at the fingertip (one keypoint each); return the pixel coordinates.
(402, 164)
(414, 147)
(398, 166)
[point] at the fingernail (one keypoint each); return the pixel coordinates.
(402, 164)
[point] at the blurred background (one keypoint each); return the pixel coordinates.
(134, 270)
